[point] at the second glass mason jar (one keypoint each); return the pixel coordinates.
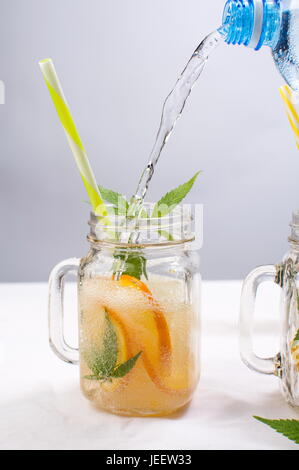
(138, 316)
(285, 364)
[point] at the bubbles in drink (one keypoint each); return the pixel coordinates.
(153, 320)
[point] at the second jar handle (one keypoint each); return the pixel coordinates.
(250, 287)
(56, 311)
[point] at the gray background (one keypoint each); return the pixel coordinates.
(118, 59)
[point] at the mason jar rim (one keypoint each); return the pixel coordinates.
(172, 229)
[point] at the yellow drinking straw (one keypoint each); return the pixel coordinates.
(74, 140)
(291, 100)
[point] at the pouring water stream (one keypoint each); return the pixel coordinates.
(172, 111)
(173, 108)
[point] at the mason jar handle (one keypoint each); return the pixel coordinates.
(267, 366)
(56, 311)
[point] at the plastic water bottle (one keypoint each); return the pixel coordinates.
(273, 23)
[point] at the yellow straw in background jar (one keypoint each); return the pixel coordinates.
(291, 101)
(73, 137)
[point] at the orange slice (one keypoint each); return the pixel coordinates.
(155, 341)
(164, 338)
(142, 335)
(130, 281)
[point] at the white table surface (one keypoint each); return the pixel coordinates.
(41, 406)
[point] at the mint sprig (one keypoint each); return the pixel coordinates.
(114, 198)
(172, 199)
(103, 363)
(126, 367)
(289, 428)
(163, 207)
(135, 262)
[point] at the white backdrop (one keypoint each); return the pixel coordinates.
(118, 60)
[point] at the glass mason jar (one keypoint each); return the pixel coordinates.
(286, 364)
(138, 315)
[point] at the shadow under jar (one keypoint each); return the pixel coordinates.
(138, 315)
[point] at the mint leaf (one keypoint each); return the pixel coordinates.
(296, 337)
(109, 357)
(93, 377)
(117, 199)
(102, 363)
(144, 268)
(126, 367)
(289, 428)
(166, 235)
(135, 264)
(168, 202)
